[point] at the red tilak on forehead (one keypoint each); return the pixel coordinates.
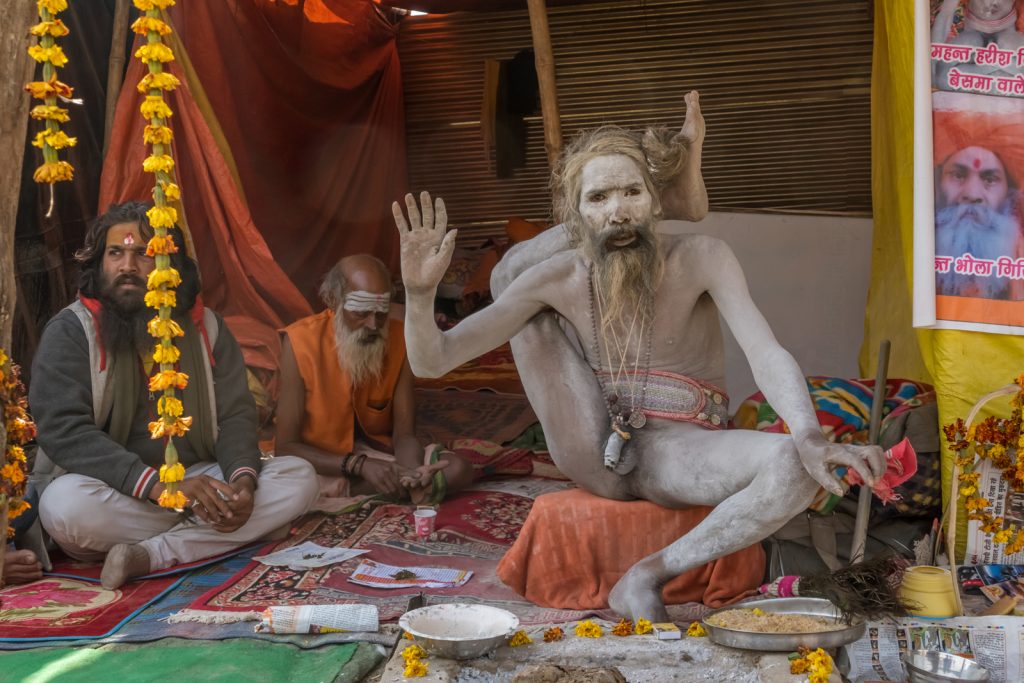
(977, 162)
(129, 239)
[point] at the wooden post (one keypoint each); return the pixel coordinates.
(16, 69)
(115, 67)
(545, 63)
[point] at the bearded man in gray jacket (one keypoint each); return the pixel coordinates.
(92, 404)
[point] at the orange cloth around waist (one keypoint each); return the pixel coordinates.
(332, 408)
(575, 546)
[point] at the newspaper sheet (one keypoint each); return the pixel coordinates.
(318, 619)
(996, 643)
(1007, 504)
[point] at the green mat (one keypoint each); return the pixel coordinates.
(176, 659)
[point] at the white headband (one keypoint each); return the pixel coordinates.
(363, 302)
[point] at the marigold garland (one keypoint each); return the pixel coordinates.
(1000, 440)
(48, 53)
(163, 279)
(19, 429)
(817, 664)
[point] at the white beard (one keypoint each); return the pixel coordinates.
(363, 360)
(977, 230)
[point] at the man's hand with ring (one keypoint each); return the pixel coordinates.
(209, 497)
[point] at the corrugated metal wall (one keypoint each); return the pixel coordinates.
(785, 89)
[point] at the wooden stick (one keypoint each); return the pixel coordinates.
(115, 67)
(544, 60)
(860, 524)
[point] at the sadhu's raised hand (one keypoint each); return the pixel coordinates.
(426, 248)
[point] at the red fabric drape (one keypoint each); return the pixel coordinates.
(308, 97)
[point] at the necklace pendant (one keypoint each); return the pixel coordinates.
(637, 419)
(613, 449)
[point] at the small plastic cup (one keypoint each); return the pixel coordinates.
(424, 519)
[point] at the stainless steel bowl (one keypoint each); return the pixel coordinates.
(929, 666)
(458, 630)
(786, 642)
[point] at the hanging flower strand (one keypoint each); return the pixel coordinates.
(163, 280)
(51, 139)
(19, 429)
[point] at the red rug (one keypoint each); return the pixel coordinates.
(473, 531)
(58, 607)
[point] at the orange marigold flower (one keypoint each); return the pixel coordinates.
(13, 473)
(147, 5)
(172, 192)
(161, 428)
(623, 628)
(16, 506)
(163, 80)
(55, 139)
(55, 28)
(176, 500)
(169, 406)
(144, 25)
(159, 298)
(172, 473)
(161, 244)
(553, 634)
(163, 329)
(164, 354)
(166, 379)
(163, 276)
(54, 172)
(976, 503)
(52, 6)
(16, 453)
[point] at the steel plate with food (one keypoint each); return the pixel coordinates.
(781, 625)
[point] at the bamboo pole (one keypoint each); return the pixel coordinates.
(115, 67)
(16, 69)
(860, 525)
(544, 60)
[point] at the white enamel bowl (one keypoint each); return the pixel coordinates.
(459, 630)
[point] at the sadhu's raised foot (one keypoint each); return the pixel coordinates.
(637, 595)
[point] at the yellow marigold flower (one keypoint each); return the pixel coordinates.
(166, 379)
(12, 472)
(520, 638)
(16, 506)
(158, 298)
(996, 451)
(1002, 536)
(169, 406)
(155, 52)
(15, 452)
(413, 652)
(967, 491)
(162, 216)
(54, 172)
(49, 112)
(176, 500)
(154, 107)
(172, 473)
(161, 244)
(53, 54)
(415, 668)
(144, 25)
(159, 429)
(407, 635)
(172, 192)
(55, 28)
(819, 676)
(157, 135)
(623, 628)
(799, 666)
(164, 354)
(758, 612)
(57, 140)
(3, 358)
(52, 6)
(976, 503)
(696, 630)
(160, 276)
(588, 629)
(163, 329)
(159, 81)
(146, 5)
(643, 626)
(553, 634)
(158, 163)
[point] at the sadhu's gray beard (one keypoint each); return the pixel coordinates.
(626, 277)
(360, 351)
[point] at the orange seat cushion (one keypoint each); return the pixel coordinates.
(575, 546)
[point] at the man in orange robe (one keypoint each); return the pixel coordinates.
(346, 403)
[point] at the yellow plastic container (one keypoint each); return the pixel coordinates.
(929, 590)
